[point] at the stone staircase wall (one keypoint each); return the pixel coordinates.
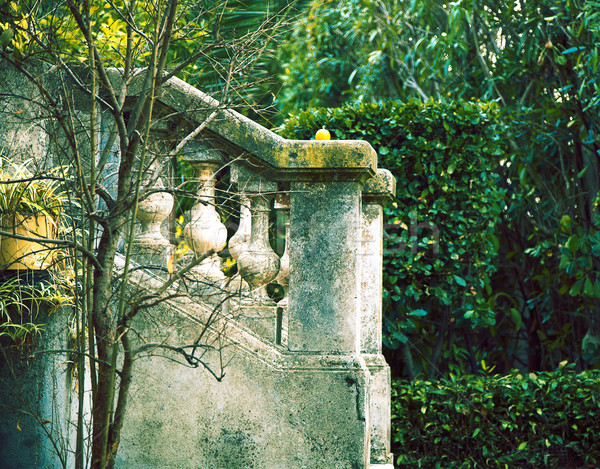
(305, 384)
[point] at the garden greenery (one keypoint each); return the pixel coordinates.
(546, 419)
(539, 60)
(22, 191)
(22, 297)
(439, 242)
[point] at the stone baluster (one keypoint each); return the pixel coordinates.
(376, 192)
(241, 239)
(150, 246)
(205, 232)
(258, 264)
(239, 242)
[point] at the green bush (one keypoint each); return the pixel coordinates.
(440, 242)
(548, 419)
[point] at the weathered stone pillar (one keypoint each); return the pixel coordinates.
(376, 192)
(38, 397)
(324, 276)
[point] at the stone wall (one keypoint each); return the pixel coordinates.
(273, 409)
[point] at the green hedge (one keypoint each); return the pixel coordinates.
(548, 419)
(444, 156)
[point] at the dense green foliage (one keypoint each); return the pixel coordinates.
(364, 50)
(539, 61)
(440, 242)
(224, 48)
(548, 419)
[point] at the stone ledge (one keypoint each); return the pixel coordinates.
(279, 158)
(380, 188)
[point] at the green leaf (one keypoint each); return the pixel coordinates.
(582, 172)
(6, 37)
(576, 288)
(460, 281)
(400, 337)
(597, 288)
(522, 446)
(516, 317)
(565, 223)
(588, 288)
(418, 313)
(570, 50)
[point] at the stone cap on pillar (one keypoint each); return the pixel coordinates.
(380, 189)
(250, 181)
(197, 152)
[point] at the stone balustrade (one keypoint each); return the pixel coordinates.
(330, 269)
(331, 229)
(330, 195)
(307, 384)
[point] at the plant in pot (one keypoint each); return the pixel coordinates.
(30, 208)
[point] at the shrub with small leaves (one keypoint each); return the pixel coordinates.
(548, 419)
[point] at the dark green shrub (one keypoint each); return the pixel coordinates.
(440, 242)
(548, 419)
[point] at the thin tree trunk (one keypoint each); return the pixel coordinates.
(106, 340)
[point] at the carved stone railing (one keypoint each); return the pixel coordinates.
(307, 385)
(330, 196)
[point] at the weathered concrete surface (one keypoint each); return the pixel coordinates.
(371, 285)
(324, 277)
(380, 188)
(376, 192)
(380, 408)
(35, 399)
(22, 121)
(273, 409)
